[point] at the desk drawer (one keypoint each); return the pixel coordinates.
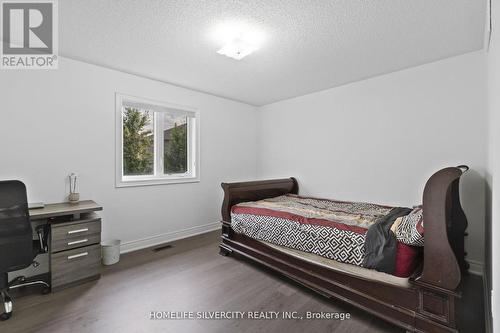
(74, 265)
(75, 242)
(65, 232)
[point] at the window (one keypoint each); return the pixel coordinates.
(156, 142)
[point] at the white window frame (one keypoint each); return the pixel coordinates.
(158, 178)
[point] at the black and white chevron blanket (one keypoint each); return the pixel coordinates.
(349, 232)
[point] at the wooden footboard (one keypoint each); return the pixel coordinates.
(428, 305)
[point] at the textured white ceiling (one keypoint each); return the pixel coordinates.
(310, 45)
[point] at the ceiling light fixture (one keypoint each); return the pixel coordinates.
(238, 39)
(237, 49)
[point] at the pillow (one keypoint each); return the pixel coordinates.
(410, 229)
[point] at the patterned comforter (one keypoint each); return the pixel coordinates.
(349, 232)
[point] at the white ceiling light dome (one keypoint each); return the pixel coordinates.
(238, 39)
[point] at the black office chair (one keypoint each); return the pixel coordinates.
(17, 247)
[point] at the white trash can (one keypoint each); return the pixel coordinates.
(111, 251)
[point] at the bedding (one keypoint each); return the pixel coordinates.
(349, 232)
(368, 274)
(409, 229)
(407, 259)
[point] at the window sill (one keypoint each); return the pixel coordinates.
(155, 181)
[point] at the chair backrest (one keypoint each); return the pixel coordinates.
(16, 244)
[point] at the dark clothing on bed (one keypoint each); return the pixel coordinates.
(381, 244)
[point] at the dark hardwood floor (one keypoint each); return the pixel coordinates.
(191, 276)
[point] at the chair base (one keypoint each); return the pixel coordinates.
(23, 283)
(7, 304)
(18, 282)
(5, 316)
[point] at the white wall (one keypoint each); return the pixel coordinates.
(494, 161)
(379, 140)
(56, 122)
(376, 140)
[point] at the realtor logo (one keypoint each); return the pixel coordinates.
(29, 34)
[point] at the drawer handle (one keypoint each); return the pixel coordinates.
(77, 231)
(78, 242)
(78, 255)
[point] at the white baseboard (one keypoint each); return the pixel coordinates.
(476, 267)
(167, 237)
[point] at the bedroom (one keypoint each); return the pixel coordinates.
(137, 112)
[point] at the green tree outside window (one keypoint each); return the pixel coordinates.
(138, 143)
(175, 149)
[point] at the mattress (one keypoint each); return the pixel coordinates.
(348, 232)
(364, 273)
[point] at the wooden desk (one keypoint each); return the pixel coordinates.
(64, 209)
(74, 242)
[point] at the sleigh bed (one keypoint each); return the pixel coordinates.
(420, 300)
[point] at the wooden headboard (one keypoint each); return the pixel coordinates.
(234, 193)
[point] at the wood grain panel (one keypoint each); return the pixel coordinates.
(64, 232)
(74, 265)
(63, 209)
(75, 242)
